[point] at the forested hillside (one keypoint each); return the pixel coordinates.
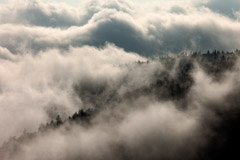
(176, 107)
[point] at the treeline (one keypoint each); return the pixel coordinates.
(82, 117)
(13, 145)
(164, 86)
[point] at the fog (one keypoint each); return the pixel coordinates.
(146, 109)
(119, 79)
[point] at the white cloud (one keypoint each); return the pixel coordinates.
(35, 87)
(56, 59)
(149, 29)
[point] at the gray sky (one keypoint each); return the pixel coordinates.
(225, 7)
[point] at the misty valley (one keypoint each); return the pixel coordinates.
(119, 79)
(183, 106)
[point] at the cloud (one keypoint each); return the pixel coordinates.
(120, 140)
(224, 7)
(164, 27)
(57, 59)
(166, 108)
(35, 88)
(143, 127)
(36, 13)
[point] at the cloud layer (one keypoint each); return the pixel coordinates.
(149, 29)
(167, 108)
(56, 59)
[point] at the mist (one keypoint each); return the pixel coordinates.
(119, 80)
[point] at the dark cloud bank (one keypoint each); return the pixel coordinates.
(121, 79)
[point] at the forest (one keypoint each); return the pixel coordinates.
(162, 80)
